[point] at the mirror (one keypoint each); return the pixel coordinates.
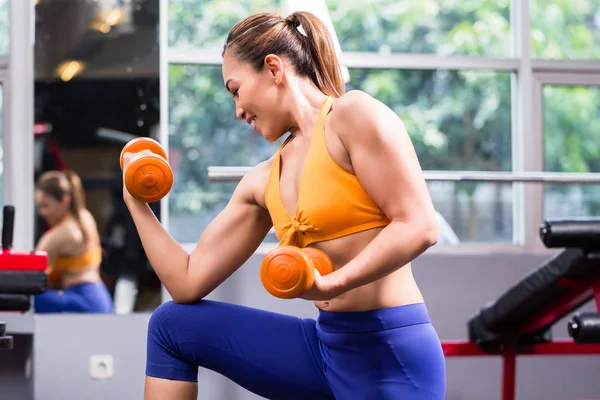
(96, 88)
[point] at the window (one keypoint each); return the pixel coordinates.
(565, 29)
(205, 23)
(458, 120)
(457, 86)
(476, 27)
(571, 144)
(3, 27)
(204, 131)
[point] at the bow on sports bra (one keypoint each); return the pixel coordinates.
(331, 201)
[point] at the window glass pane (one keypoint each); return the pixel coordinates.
(571, 144)
(3, 27)
(473, 27)
(458, 120)
(204, 131)
(565, 29)
(473, 211)
(205, 23)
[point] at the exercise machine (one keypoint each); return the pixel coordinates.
(22, 275)
(519, 322)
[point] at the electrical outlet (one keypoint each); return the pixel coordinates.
(101, 366)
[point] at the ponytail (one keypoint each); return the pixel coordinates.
(77, 199)
(327, 73)
(301, 37)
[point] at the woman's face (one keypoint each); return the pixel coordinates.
(257, 95)
(49, 208)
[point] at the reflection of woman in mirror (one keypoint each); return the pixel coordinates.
(73, 246)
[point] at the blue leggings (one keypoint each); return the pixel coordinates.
(84, 298)
(392, 353)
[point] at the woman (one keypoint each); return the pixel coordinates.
(346, 181)
(73, 246)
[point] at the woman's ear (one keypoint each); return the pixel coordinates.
(66, 201)
(275, 68)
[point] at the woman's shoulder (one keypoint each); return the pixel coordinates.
(355, 106)
(59, 237)
(354, 99)
(87, 217)
(357, 112)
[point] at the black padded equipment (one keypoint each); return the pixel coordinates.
(6, 342)
(14, 302)
(582, 233)
(8, 218)
(585, 328)
(503, 317)
(23, 282)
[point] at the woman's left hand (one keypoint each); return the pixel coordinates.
(321, 290)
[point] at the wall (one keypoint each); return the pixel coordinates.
(15, 369)
(454, 287)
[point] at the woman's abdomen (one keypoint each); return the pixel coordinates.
(396, 289)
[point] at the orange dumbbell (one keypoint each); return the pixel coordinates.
(148, 177)
(288, 271)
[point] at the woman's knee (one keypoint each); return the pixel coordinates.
(164, 316)
(165, 357)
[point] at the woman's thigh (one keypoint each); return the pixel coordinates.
(402, 362)
(273, 355)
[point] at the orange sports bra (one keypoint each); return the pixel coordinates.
(92, 256)
(331, 201)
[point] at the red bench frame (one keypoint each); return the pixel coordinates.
(580, 290)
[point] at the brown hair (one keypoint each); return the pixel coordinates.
(313, 55)
(59, 184)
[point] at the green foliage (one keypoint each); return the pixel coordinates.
(205, 132)
(205, 23)
(565, 29)
(474, 27)
(572, 143)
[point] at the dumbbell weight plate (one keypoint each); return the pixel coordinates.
(143, 143)
(6, 342)
(321, 260)
(150, 178)
(286, 272)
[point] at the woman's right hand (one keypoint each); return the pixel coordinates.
(127, 159)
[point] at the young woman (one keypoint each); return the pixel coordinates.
(73, 246)
(346, 181)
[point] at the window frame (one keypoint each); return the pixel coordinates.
(16, 77)
(563, 77)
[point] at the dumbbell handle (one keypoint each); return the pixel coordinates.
(8, 225)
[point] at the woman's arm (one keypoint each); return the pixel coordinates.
(52, 242)
(385, 162)
(228, 241)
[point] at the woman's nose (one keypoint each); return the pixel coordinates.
(240, 114)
